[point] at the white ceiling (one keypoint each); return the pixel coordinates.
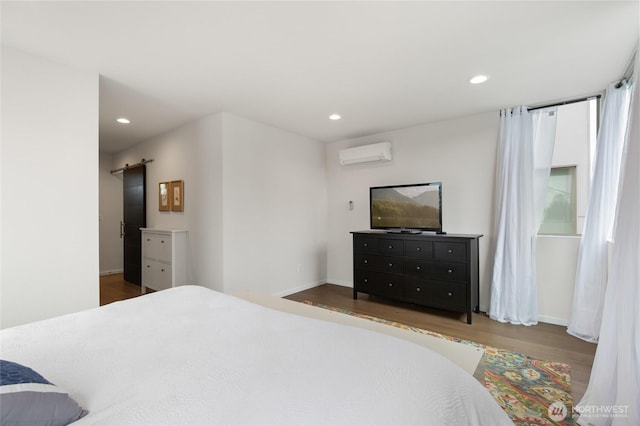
(381, 65)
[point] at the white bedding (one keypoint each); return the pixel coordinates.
(192, 356)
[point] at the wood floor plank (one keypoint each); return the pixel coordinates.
(114, 288)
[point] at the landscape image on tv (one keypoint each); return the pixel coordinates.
(416, 207)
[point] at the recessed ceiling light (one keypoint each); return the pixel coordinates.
(123, 120)
(478, 79)
(334, 117)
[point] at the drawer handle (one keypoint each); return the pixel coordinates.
(418, 289)
(450, 251)
(148, 266)
(418, 268)
(449, 294)
(162, 270)
(450, 271)
(162, 241)
(366, 280)
(390, 284)
(391, 265)
(366, 261)
(148, 239)
(390, 247)
(366, 244)
(419, 249)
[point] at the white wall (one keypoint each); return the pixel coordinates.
(255, 202)
(460, 153)
(557, 258)
(192, 153)
(207, 217)
(274, 209)
(111, 249)
(49, 189)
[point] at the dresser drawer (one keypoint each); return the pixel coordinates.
(391, 247)
(164, 248)
(418, 268)
(447, 295)
(148, 273)
(365, 245)
(450, 251)
(420, 249)
(379, 283)
(157, 246)
(163, 275)
(379, 263)
(448, 271)
(416, 290)
(436, 293)
(156, 275)
(149, 245)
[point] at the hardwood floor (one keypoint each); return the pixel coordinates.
(114, 288)
(543, 341)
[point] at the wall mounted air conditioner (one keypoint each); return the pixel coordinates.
(366, 153)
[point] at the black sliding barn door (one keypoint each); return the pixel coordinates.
(134, 218)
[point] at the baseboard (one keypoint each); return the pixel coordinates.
(115, 271)
(299, 289)
(553, 320)
(341, 283)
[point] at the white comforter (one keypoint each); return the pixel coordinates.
(192, 356)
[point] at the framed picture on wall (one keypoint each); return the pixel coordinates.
(164, 202)
(177, 196)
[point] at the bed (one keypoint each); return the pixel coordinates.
(194, 356)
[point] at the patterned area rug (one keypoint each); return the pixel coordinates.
(531, 391)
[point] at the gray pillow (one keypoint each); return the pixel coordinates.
(27, 398)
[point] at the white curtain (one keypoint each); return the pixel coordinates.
(592, 271)
(614, 385)
(524, 156)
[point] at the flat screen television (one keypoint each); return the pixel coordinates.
(407, 208)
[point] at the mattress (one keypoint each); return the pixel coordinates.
(468, 357)
(193, 356)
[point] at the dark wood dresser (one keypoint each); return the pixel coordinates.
(439, 271)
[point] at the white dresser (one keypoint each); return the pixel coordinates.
(164, 258)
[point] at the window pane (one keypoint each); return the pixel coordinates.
(560, 206)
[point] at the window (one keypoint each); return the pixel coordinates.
(571, 169)
(560, 208)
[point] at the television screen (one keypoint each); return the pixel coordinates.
(407, 207)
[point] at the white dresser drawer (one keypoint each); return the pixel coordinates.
(163, 275)
(163, 245)
(156, 275)
(164, 263)
(157, 246)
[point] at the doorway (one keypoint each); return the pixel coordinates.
(134, 218)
